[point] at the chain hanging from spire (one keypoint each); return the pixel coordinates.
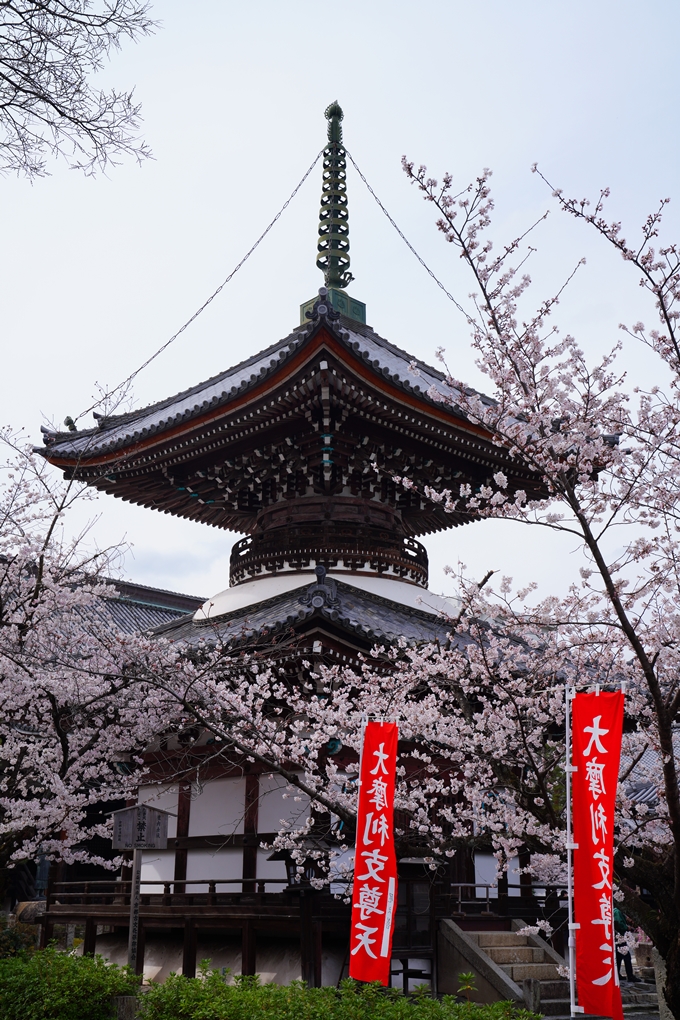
(333, 247)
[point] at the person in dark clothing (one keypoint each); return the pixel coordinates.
(621, 927)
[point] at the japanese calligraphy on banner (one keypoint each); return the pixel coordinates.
(374, 896)
(597, 724)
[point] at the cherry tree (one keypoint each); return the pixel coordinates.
(482, 719)
(69, 697)
(605, 456)
(49, 52)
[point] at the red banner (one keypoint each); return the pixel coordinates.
(374, 896)
(597, 725)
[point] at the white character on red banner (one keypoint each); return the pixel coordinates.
(369, 901)
(376, 826)
(365, 941)
(378, 794)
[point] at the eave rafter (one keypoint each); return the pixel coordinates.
(324, 421)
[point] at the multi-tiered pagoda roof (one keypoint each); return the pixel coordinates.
(298, 448)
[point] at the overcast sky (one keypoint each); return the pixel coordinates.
(98, 273)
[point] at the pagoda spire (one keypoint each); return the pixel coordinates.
(333, 246)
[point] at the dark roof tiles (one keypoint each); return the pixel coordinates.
(369, 617)
(117, 430)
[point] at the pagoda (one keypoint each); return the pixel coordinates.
(299, 450)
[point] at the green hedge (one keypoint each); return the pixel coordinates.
(50, 985)
(16, 938)
(209, 997)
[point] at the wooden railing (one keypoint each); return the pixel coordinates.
(173, 892)
(460, 897)
(464, 897)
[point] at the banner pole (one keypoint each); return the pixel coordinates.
(364, 723)
(569, 768)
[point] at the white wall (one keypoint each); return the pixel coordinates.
(274, 807)
(486, 872)
(345, 860)
(270, 869)
(165, 798)
(215, 864)
(157, 865)
(217, 807)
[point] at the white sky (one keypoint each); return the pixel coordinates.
(96, 274)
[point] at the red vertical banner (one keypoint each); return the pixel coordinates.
(374, 895)
(597, 725)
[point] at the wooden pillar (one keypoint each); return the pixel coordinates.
(503, 894)
(250, 834)
(90, 940)
(248, 949)
(183, 813)
(310, 940)
(318, 953)
(248, 938)
(141, 939)
(525, 880)
(126, 869)
(189, 954)
(47, 928)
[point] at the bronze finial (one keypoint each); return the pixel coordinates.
(333, 247)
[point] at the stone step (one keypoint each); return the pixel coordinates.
(558, 1009)
(633, 999)
(541, 971)
(554, 989)
(514, 954)
(583, 1016)
(555, 1007)
(497, 938)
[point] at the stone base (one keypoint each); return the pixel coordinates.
(278, 960)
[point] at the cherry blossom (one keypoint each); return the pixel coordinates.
(604, 458)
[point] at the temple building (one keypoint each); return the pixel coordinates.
(296, 449)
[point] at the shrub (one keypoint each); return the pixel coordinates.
(49, 985)
(209, 997)
(16, 938)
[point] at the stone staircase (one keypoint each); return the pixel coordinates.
(532, 965)
(640, 999)
(524, 961)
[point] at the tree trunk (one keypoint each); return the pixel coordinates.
(672, 989)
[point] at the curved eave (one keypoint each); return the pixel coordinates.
(321, 338)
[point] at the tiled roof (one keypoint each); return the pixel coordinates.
(135, 618)
(139, 608)
(116, 431)
(368, 618)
